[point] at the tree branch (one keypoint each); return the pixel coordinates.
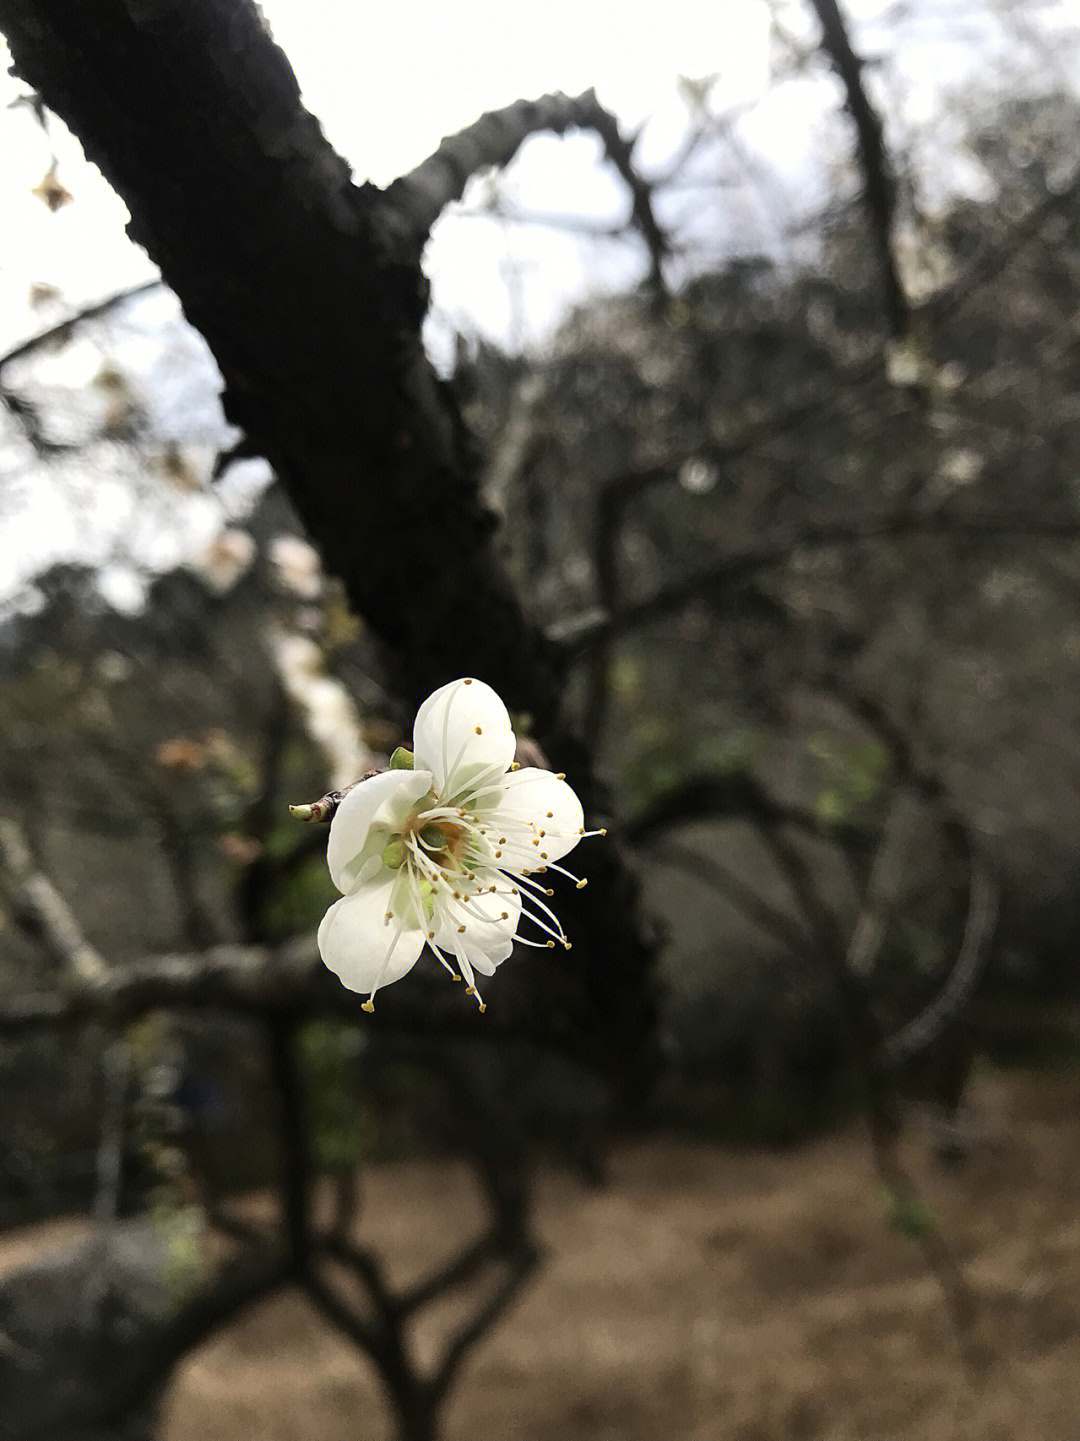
(769, 918)
(580, 636)
(494, 140)
(521, 1267)
(734, 796)
(46, 908)
(923, 1030)
(62, 328)
(992, 259)
(879, 182)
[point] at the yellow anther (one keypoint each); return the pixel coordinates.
(481, 1004)
(548, 891)
(461, 930)
(368, 1005)
(515, 765)
(431, 935)
(603, 832)
(550, 814)
(551, 945)
(470, 990)
(543, 855)
(505, 916)
(582, 884)
(498, 854)
(467, 681)
(479, 730)
(560, 775)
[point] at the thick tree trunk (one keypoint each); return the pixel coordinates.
(309, 292)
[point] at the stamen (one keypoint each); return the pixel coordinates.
(369, 1004)
(554, 866)
(444, 962)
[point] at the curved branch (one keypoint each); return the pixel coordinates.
(971, 960)
(493, 140)
(973, 955)
(745, 898)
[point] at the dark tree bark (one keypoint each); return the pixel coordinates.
(309, 291)
(879, 180)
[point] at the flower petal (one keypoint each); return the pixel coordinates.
(460, 730)
(379, 804)
(490, 921)
(358, 944)
(538, 798)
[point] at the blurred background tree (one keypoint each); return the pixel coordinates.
(785, 576)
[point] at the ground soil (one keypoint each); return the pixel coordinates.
(716, 1295)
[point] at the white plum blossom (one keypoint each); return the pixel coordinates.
(443, 849)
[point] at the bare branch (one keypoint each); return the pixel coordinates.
(62, 328)
(521, 1267)
(920, 1033)
(992, 259)
(973, 954)
(870, 927)
(580, 636)
(23, 410)
(343, 1317)
(725, 882)
(879, 182)
(494, 140)
(49, 912)
(734, 796)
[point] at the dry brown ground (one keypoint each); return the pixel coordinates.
(711, 1295)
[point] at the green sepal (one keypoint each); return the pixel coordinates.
(401, 760)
